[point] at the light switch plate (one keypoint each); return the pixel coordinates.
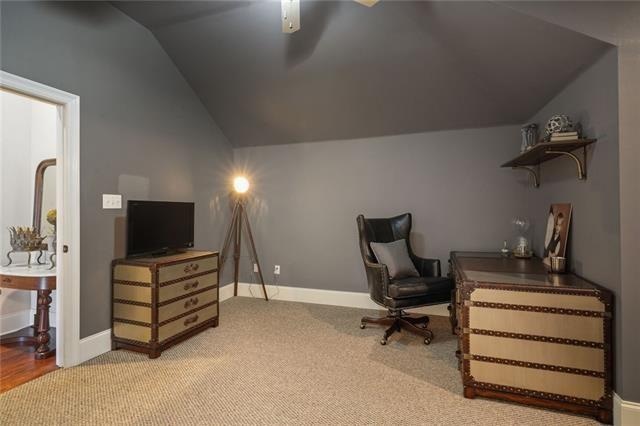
(111, 201)
(276, 269)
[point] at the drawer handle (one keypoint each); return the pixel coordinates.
(190, 320)
(191, 267)
(191, 302)
(6, 280)
(194, 284)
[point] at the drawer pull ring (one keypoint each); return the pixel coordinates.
(191, 302)
(190, 320)
(191, 267)
(194, 284)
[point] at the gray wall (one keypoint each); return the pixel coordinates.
(143, 133)
(594, 244)
(307, 197)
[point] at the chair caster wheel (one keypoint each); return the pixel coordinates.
(361, 326)
(427, 340)
(383, 342)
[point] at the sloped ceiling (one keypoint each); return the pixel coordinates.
(355, 72)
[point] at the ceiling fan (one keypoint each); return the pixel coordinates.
(291, 13)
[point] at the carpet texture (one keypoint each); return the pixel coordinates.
(272, 363)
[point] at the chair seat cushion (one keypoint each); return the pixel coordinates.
(419, 286)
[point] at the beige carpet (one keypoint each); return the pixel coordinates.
(272, 363)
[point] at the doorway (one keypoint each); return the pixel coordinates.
(40, 199)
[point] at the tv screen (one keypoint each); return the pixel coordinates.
(158, 227)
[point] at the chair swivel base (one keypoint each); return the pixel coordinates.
(399, 320)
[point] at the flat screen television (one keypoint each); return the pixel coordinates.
(158, 227)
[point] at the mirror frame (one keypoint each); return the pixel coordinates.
(37, 193)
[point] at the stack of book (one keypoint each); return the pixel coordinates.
(563, 136)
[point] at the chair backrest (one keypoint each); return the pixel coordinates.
(382, 230)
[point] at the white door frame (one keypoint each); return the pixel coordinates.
(68, 204)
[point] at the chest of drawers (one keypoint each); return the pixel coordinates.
(531, 337)
(160, 301)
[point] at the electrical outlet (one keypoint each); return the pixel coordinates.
(276, 269)
(255, 268)
(111, 201)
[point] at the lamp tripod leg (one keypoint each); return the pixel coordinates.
(236, 250)
(255, 254)
(227, 240)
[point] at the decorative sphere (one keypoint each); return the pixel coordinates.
(241, 184)
(558, 123)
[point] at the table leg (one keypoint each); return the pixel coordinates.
(43, 337)
(36, 321)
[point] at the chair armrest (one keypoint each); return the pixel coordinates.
(378, 278)
(427, 267)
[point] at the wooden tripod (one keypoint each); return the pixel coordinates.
(238, 219)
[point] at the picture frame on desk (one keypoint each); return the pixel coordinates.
(556, 237)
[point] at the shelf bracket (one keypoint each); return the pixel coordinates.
(534, 172)
(580, 165)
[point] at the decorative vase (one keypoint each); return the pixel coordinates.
(521, 242)
(529, 136)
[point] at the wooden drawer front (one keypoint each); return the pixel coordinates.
(574, 385)
(537, 323)
(132, 332)
(132, 312)
(187, 269)
(135, 293)
(551, 300)
(187, 286)
(139, 274)
(187, 304)
(570, 356)
(174, 327)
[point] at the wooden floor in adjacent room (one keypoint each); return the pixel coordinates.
(18, 366)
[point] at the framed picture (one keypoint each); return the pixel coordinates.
(555, 240)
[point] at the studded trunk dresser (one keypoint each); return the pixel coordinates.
(531, 337)
(160, 301)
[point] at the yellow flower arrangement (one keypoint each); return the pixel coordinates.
(52, 215)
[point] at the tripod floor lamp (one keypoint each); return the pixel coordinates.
(239, 221)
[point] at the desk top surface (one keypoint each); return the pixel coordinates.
(35, 271)
(494, 268)
(22, 277)
(166, 260)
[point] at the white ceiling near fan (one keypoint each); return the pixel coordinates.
(291, 13)
(290, 16)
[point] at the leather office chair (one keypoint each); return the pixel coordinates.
(404, 293)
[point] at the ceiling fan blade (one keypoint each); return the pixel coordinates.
(367, 3)
(290, 16)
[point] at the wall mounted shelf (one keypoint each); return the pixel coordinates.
(544, 151)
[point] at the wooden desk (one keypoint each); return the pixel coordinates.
(36, 278)
(528, 336)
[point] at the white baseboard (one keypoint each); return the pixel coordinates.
(15, 321)
(625, 413)
(350, 299)
(94, 345)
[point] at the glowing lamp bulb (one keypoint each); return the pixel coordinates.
(241, 184)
